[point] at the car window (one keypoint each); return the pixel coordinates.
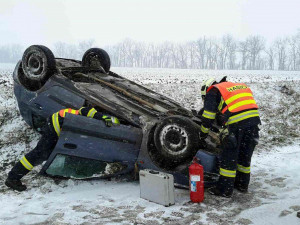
(80, 168)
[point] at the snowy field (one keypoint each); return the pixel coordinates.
(274, 192)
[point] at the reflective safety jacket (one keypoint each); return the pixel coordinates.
(56, 118)
(234, 101)
(236, 97)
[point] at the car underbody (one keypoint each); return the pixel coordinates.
(155, 132)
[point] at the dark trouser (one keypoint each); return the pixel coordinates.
(38, 155)
(238, 148)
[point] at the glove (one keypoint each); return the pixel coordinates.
(107, 120)
(202, 143)
(223, 134)
(110, 120)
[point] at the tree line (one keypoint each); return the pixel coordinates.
(252, 53)
(11, 53)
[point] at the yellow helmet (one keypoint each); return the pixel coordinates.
(205, 85)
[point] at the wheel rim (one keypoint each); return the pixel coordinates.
(174, 139)
(35, 64)
(93, 60)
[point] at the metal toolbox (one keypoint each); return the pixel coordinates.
(157, 187)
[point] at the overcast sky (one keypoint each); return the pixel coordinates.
(109, 21)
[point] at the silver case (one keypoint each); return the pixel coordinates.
(157, 187)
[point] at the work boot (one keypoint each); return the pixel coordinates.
(17, 172)
(242, 181)
(15, 185)
(217, 192)
(13, 180)
(223, 188)
(240, 188)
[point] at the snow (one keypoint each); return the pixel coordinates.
(112, 202)
(273, 197)
(283, 180)
(150, 76)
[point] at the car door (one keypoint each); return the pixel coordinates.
(91, 145)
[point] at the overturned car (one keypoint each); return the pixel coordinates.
(155, 131)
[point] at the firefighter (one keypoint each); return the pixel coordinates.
(43, 149)
(238, 112)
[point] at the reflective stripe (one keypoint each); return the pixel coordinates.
(74, 111)
(56, 123)
(115, 120)
(209, 115)
(242, 116)
(63, 112)
(227, 173)
(91, 113)
(26, 164)
(235, 97)
(243, 169)
(241, 103)
(204, 129)
(221, 104)
(79, 111)
(206, 84)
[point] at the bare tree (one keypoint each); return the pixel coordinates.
(83, 46)
(243, 49)
(11, 53)
(201, 49)
(223, 51)
(212, 55)
(112, 51)
(281, 52)
(232, 49)
(298, 50)
(292, 42)
(255, 44)
(182, 54)
(60, 49)
(270, 57)
(204, 53)
(163, 54)
(222, 54)
(191, 48)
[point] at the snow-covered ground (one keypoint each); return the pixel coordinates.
(274, 192)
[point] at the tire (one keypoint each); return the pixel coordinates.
(38, 65)
(95, 58)
(176, 139)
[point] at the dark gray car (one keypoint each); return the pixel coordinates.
(155, 131)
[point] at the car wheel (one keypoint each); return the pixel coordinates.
(38, 65)
(96, 58)
(176, 138)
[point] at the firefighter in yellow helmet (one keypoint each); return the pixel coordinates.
(238, 114)
(43, 149)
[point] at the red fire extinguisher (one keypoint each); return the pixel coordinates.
(196, 181)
